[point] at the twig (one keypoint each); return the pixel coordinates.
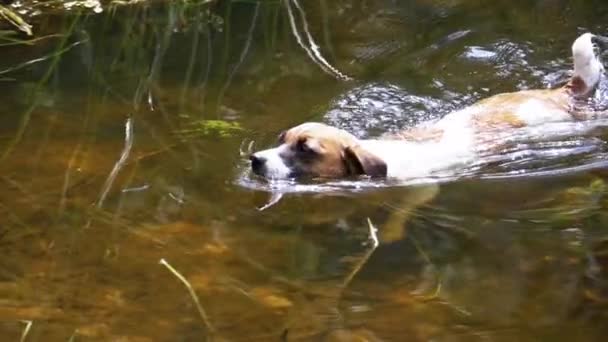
(244, 53)
(374, 239)
(43, 58)
(146, 155)
(372, 233)
(199, 307)
(311, 47)
(275, 277)
(73, 337)
(435, 297)
(28, 326)
(248, 151)
(15, 20)
(66, 177)
(275, 197)
(120, 163)
(12, 42)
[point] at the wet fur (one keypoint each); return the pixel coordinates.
(319, 151)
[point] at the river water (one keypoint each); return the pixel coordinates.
(120, 144)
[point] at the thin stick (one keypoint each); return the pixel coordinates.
(374, 239)
(120, 163)
(372, 233)
(201, 311)
(28, 326)
(275, 197)
(73, 337)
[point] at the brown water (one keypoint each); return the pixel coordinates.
(120, 139)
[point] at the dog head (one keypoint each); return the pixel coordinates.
(316, 150)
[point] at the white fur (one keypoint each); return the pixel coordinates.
(457, 144)
(275, 167)
(406, 160)
(411, 159)
(587, 65)
(535, 112)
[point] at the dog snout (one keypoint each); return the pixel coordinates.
(257, 163)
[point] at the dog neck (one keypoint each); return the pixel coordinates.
(411, 159)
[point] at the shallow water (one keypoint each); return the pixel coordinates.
(120, 137)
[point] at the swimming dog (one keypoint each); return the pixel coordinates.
(317, 150)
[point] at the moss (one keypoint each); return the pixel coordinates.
(221, 128)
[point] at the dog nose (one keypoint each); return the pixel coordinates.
(257, 162)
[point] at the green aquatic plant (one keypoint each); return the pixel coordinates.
(221, 128)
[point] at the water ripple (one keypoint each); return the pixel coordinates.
(373, 109)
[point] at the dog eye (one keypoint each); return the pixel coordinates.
(303, 147)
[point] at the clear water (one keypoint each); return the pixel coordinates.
(120, 137)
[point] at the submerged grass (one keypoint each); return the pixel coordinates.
(193, 294)
(54, 58)
(15, 20)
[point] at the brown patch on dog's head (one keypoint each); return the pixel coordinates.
(318, 150)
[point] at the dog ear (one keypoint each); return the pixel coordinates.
(358, 161)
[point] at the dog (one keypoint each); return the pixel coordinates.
(316, 150)
(445, 146)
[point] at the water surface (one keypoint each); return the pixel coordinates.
(120, 135)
